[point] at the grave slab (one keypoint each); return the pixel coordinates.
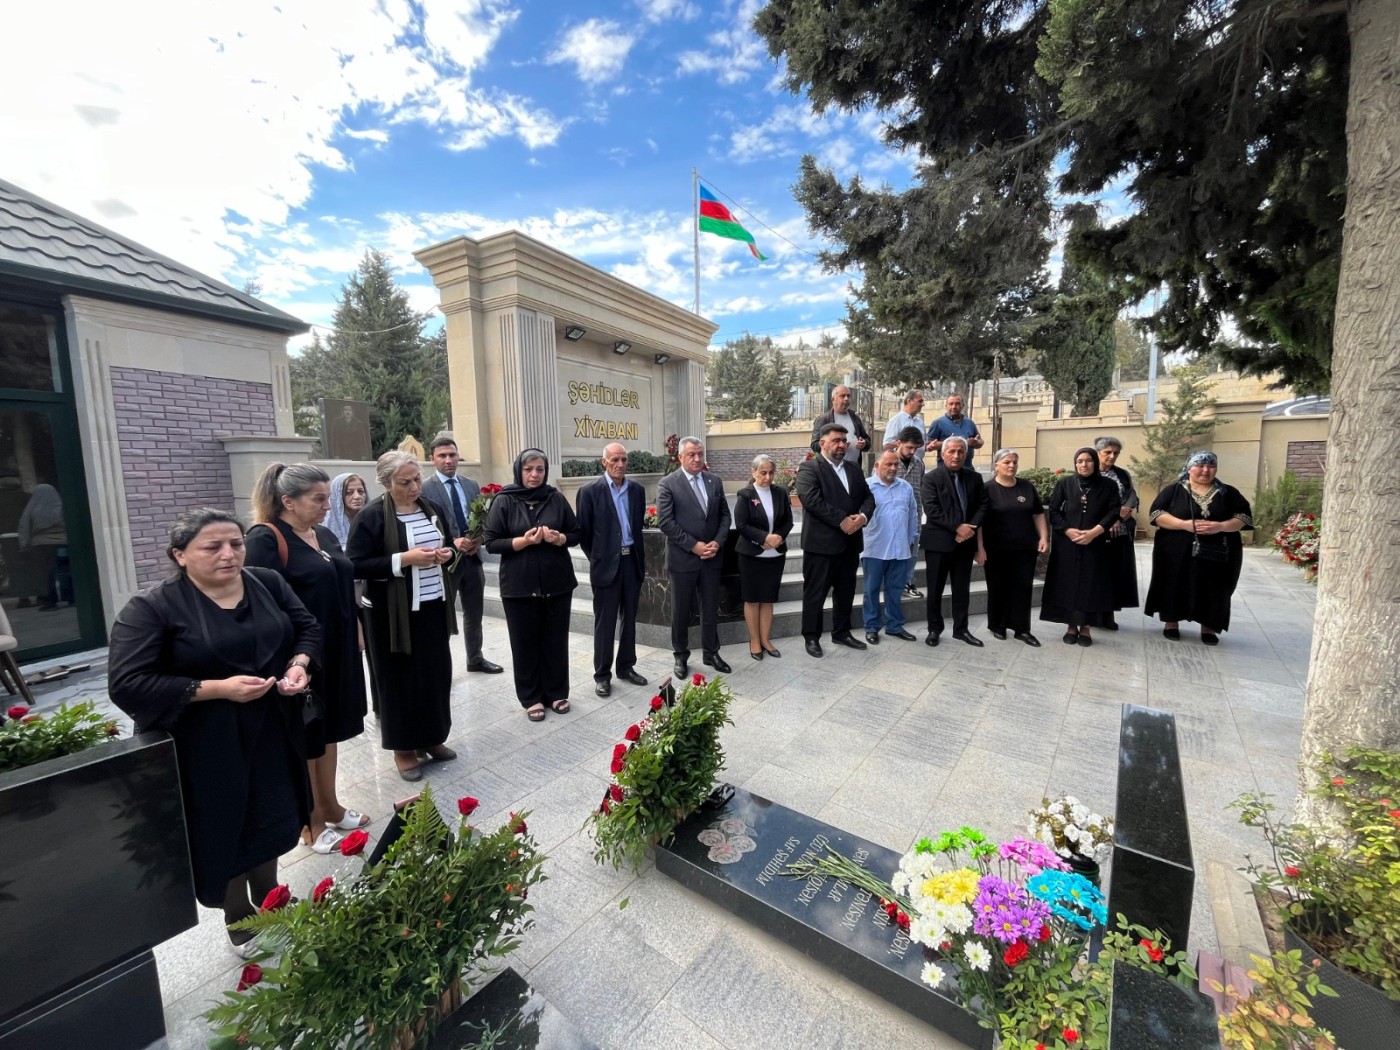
(507, 1014)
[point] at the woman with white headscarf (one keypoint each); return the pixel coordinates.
(1197, 555)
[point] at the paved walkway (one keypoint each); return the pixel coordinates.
(892, 743)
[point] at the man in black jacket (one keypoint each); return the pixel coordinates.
(836, 505)
(955, 501)
(610, 514)
(858, 437)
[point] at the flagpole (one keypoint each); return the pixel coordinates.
(695, 227)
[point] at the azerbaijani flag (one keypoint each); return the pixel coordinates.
(715, 218)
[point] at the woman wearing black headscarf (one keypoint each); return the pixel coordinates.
(1124, 531)
(1197, 555)
(531, 526)
(1079, 583)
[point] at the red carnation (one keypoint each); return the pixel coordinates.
(1044, 934)
(18, 711)
(517, 825)
(616, 792)
(1153, 952)
(633, 732)
(467, 805)
(1071, 1035)
(902, 920)
(1016, 953)
(322, 888)
(891, 909)
(277, 897)
(353, 844)
(697, 679)
(616, 766)
(1291, 871)
(656, 703)
(251, 975)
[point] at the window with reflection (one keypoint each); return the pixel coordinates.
(28, 349)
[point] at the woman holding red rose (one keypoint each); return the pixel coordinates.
(217, 655)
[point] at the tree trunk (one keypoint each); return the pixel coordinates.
(1353, 694)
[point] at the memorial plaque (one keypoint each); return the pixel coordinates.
(1149, 1010)
(345, 429)
(736, 855)
(507, 1014)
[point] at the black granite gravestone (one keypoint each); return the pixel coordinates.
(1153, 875)
(735, 854)
(1151, 1011)
(507, 1014)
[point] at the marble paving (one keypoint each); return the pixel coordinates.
(890, 744)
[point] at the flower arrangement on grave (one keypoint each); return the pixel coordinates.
(651, 520)
(673, 452)
(663, 770)
(369, 961)
(1299, 541)
(786, 475)
(1074, 831)
(27, 738)
(1338, 886)
(477, 510)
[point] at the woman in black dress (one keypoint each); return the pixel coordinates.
(1197, 555)
(399, 545)
(1079, 590)
(531, 526)
(1013, 533)
(762, 519)
(218, 655)
(1123, 535)
(288, 505)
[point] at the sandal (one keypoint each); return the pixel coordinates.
(535, 714)
(326, 842)
(560, 707)
(350, 821)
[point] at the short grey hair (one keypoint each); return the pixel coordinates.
(1002, 453)
(690, 440)
(762, 458)
(1107, 441)
(390, 464)
(955, 439)
(912, 394)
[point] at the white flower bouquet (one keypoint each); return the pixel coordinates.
(1071, 829)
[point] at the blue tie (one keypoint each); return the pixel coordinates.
(962, 499)
(457, 505)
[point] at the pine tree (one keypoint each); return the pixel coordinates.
(749, 379)
(1171, 438)
(1076, 348)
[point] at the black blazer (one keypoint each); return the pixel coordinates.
(825, 504)
(600, 533)
(942, 511)
(751, 523)
(373, 564)
(829, 416)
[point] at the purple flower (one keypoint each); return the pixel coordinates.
(1005, 911)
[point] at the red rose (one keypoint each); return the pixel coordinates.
(113, 729)
(1016, 953)
(697, 679)
(1338, 781)
(251, 975)
(1071, 1035)
(605, 808)
(467, 805)
(891, 909)
(277, 897)
(1291, 871)
(322, 888)
(517, 825)
(616, 766)
(1044, 934)
(1153, 952)
(633, 732)
(619, 750)
(656, 703)
(18, 711)
(353, 844)
(902, 921)
(1039, 1046)
(651, 510)
(1393, 814)
(616, 792)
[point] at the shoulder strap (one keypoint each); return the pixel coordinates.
(282, 553)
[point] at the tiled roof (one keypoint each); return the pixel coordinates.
(43, 242)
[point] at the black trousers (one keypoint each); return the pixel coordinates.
(828, 572)
(469, 581)
(684, 588)
(956, 565)
(622, 594)
(1010, 578)
(539, 647)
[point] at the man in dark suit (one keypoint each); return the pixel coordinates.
(836, 504)
(693, 513)
(610, 514)
(468, 578)
(955, 501)
(858, 437)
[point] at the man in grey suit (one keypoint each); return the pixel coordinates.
(468, 579)
(693, 513)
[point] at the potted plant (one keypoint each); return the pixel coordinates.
(663, 770)
(1336, 890)
(27, 739)
(375, 961)
(1083, 838)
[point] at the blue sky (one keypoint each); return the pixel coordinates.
(276, 141)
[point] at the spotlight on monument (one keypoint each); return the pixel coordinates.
(573, 333)
(661, 359)
(621, 346)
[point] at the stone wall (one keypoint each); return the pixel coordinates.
(168, 427)
(1307, 459)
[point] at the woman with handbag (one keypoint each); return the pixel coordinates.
(289, 503)
(1079, 585)
(218, 656)
(1197, 555)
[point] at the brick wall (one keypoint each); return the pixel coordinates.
(735, 465)
(169, 425)
(1307, 459)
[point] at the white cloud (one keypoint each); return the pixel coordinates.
(597, 49)
(735, 52)
(664, 10)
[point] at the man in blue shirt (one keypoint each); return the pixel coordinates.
(889, 544)
(954, 423)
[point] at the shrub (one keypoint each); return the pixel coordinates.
(1287, 496)
(1043, 478)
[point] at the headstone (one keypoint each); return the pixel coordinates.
(1149, 1010)
(413, 447)
(345, 429)
(735, 855)
(507, 1014)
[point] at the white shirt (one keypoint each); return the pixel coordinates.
(841, 474)
(852, 446)
(765, 496)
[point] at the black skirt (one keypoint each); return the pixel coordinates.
(415, 689)
(761, 578)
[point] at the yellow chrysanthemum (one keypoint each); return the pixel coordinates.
(951, 887)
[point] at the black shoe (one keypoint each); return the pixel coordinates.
(602, 688)
(814, 647)
(682, 671)
(771, 651)
(998, 634)
(717, 662)
(872, 638)
(485, 666)
(969, 638)
(1172, 634)
(1028, 638)
(633, 677)
(848, 641)
(1210, 639)
(932, 639)
(1112, 625)
(1071, 638)
(755, 655)
(913, 592)
(1085, 640)
(902, 633)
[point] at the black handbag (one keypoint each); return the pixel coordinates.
(311, 706)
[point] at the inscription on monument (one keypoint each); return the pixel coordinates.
(600, 404)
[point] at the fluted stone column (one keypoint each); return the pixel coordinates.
(530, 371)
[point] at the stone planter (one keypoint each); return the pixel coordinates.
(1361, 1017)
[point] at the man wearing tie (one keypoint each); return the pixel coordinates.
(610, 518)
(693, 513)
(955, 501)
(837, 505)
(468, 579)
